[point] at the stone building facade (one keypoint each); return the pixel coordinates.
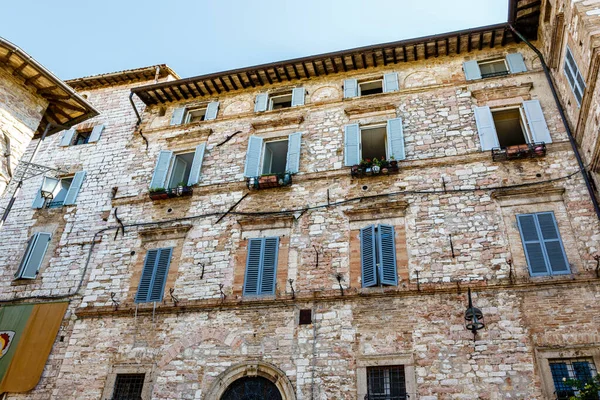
(227, 235)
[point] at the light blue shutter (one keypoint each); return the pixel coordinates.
(268, 272)
(34, 255)
(144, 287)
(532, 245)
(298, 96)
(387, 255)
(38, 200)
(196, 165)
(159, 278)
(486, 128)
(252, 167)
(260, 104)
(553, 246)
(292, 164)
(472, 70)
(536, 121)
(67, 137)
(177, 117)
(368, 257)
(211, 110)
(390, 82)
(74, 188)
(350, 88)
(351, 145)
(96, 133)
(395, 135)
(161, 169)
(253, 266)
(515, 63)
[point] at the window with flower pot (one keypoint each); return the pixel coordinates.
(278, 159)
(177, 170)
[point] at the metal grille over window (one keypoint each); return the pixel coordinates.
(128, 387)
(581, 369)
(386, 383)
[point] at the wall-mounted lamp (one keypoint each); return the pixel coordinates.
(473, 318)
(48, 187)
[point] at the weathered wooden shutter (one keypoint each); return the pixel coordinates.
(472, 70)
(486, 128)
(211, 110)
(253, 265)
(387, 254)
(350, 88)
(177, 116)
(196, 165)
(261, 102)
(268, 273)
(159, 177)
(34, 255)
(368, 257)
(553, 246)
(395, 135)
(292, 164)
(298, 96)
(532, 244)
(515, 63)
(96, 133)
(154, 275)
(351, 145)
(67, 137)
(74, 189)
(252, 167)
(390, 82)
(536, 121)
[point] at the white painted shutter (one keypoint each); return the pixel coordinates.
(292, 164)
(96, 133)
(515, 63)
(177, 117)
(350, 88)
(34, 255)
(159, 177)
(486, 128)
(74, 188)
(536, 121)
(260, 104)
(67, 137)
(395, 135)
(196, 164)
(390, 82)
(211, 111)
(252, 167)
(471, 69)
(298, 96)
(351, 145)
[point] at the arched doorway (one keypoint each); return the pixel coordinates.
(252, 388)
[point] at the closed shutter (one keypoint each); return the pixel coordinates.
(351, 145)
(96, 133)
(395, 135)
(144, 287)
(536, 121)
(542, 244)
(532, 244)
(292, 164)
(387, 255)
(253, 264)
(553, 246)
(177, 117)
(260, 104)
(472, 70)
(390, 82)
(67, 137)
(368, 257)
(252, 167)
(74, 189)
(154, 275)
(486, 128)
(196, 165)
(211, 110)
(268, 273)
(515, 63)
(34, 255)
(159, 177)
(350, 88)
(298, 96)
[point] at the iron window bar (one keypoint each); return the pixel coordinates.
(520, 151)
(493, 74)
(128, 387)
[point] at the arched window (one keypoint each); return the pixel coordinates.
(252, 388)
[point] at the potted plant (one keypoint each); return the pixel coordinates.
(376, 166)
(158, 193)
(179, 189)
(393, 163)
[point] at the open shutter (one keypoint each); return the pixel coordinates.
(472, 70)
(298, 96)
(268, 273)
(351, 145)
(532, 244)
(486, 128)
(74, 189)
(396, 138)
(390, 82)
(515, 63)
(161, 169)
(67, 137)
(143, 291)
(387, 255)
(368, 257)
(39, 201)
(34, 255)
(253, 266)
(252, 167)
(553, 246)
(96, 133)
(196, 165)
(211, 110)
(350, 88)
(536, 121)
(292, 164)
(260, 104)
(177, 117)
(159, 278)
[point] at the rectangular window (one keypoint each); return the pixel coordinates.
(513, 63)
(275, 157)
(510, 127)
(179, 170)
(60, 193)
(374, 143)
(378, 255)
(574, 76)
(305, 317)
(581, 369)
(154, 275)
(57, 192)
(386, 383)
(34, 255)
(281, 100)
(82, 137)
(128, 387)
(492, 68)
(261, 266)
(76, 137)
(370, 87)
(194, 115)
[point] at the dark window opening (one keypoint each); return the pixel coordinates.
(305, 317)
(195, 115)
(509, 127)
(82, 137)
(562, 370)
(252, 387)
(493, 68)
(180, 170)
(373, 143)
(368, 88)
(275, 158)
(277, 102)
(128, 387)
(386, 383)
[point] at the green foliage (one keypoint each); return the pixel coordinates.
(157, 190)
(587, 390)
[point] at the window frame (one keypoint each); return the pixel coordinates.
(111, 379)
(522, 120)
(264, 153)
(172, 166)
(493, 74)
(370, 80)
(382, 361)
(261, 268)
(271, 96)
(79, 133)
(576, 73)
(188, 114)
(386, 139)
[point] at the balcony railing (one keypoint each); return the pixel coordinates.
(269, 181)
(492, 74)
(518, 152)
(179, 191)
(358, 171)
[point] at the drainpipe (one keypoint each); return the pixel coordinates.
(137, 113)
(564, 120)
(7, 155)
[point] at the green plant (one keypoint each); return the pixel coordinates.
(366, 163)
(586, 389)
(376, 162)
(156, 190)
(181, 184)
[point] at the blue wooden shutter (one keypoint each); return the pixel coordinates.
(486, 128)
(553, 246)
(196, 165)
(74, 189)
(253, 266)
(387, 254)
(351, 145)
(67, 137)
(368, 257)
(472, 70)
(144, 287)
(34, 255)
(515, 63)
(252, 167)
(390, 82)
(536, 121)
(96, 133)
(298, 96)
(159, 278)
(211, 111)
(292, 164)
(159, 177)
(350, 88)
(177, 117)
(395, 135)
(268, 270)
(260, 104)
(532, 244)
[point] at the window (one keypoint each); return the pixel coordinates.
(128, 387)
(179, 171)
(76, 137)
(154, 275)
(261, 266)
(376, 141)
(34, 255)
(542, 244)
(378, 255)
(82, 137)
(493, 68)
(386, 383)
(574, 76)
(477, 69)
(371, 87)
(510, 127)
(273, 157)
(189, 115)
(195, 115)
(58, 192)
(305, 317)
(279, 100)
(389, 83)
(581, 369)
(173, 169)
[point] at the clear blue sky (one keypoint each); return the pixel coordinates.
(80, 38)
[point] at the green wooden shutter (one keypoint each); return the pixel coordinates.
(486, 128)
(532, 244)
(211, 111)
(253, 266)
(351, 145)
(261, 102)
(196, 165)
(387, 254)
(252, 167)
(472, 70)
(96, 133)
(298, 96)
(395, 136)
(292, 164)
(177, 116)
(159, 278)
(515, 63)
(553, 246)
(34, 255)
(67, 137)
(159, 177)
(268, 270)
(390, 82)
(536, 121)
(74, 189)
(350, 88)
(368, 256)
